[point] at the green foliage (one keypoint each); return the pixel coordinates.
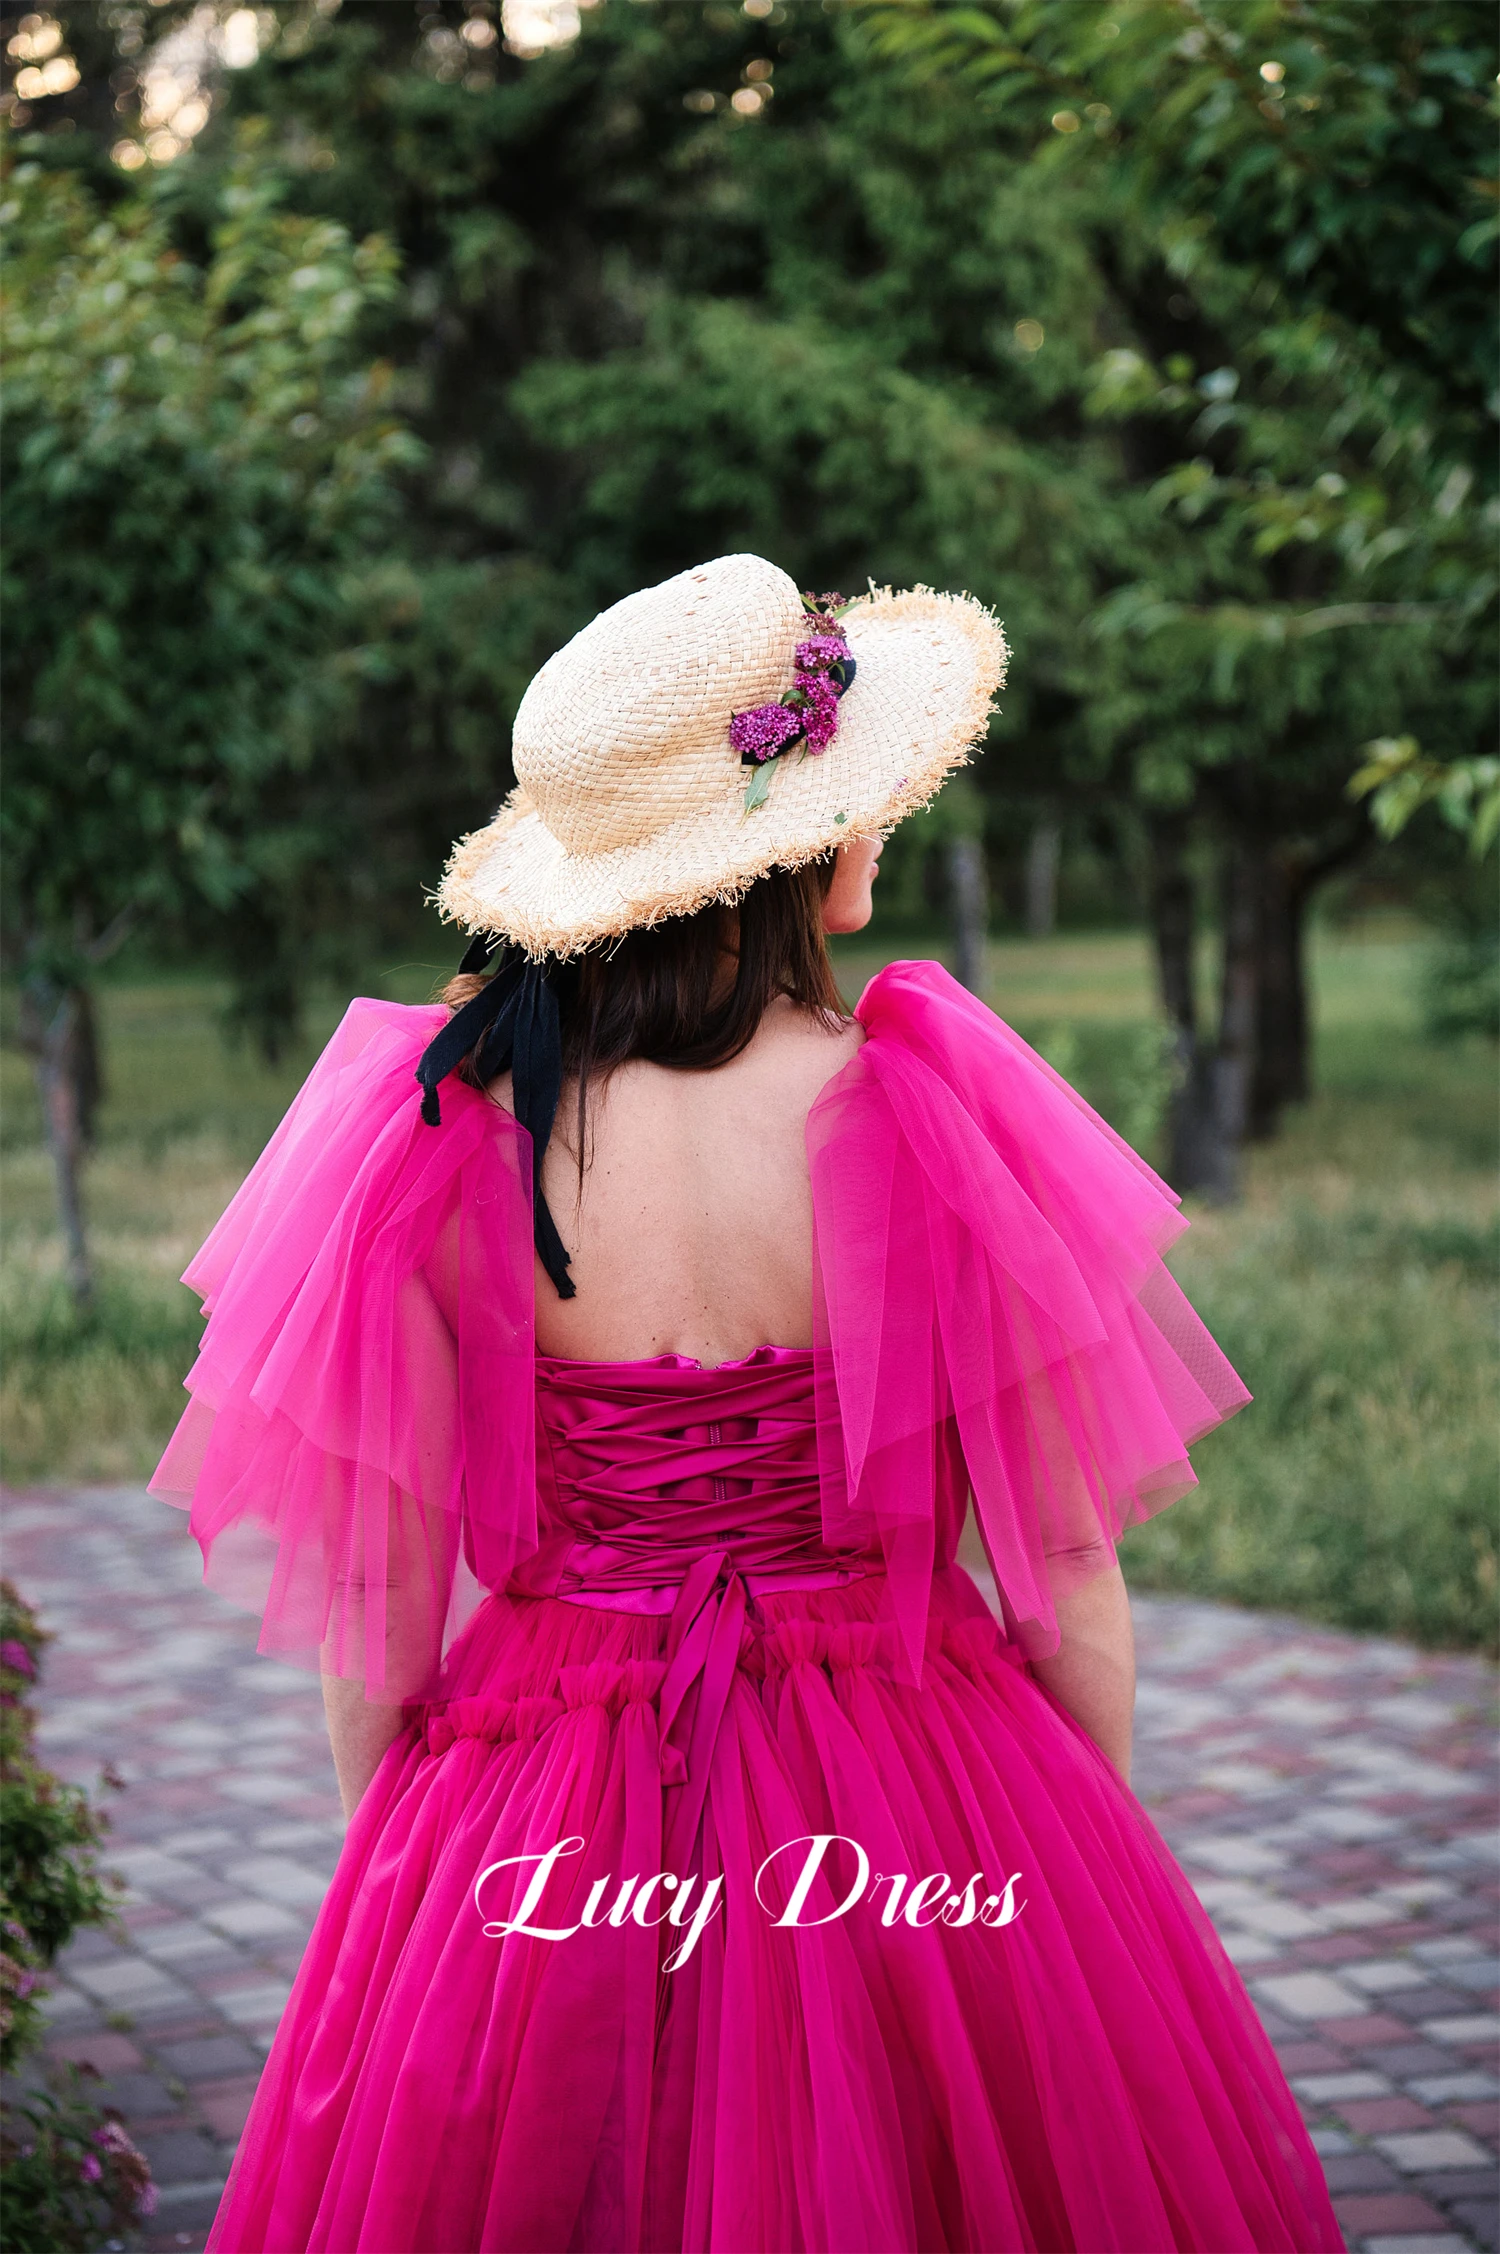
(1345, 152)
(1193, 394)
(1398, 780)
(1365, 1334)
(1461, 991)
(70, 2172)
(195, 454)
(1297, 210)
(1128, 1076)
(72, 2178)
(113, 1370)
(49, 1831)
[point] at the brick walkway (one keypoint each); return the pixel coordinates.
(1331, 1796)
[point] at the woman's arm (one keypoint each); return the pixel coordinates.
(1092, 1672)
(360, 1733)
(416, 1582)
(412, 1593)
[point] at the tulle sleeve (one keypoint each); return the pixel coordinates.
(989, 1259)
(358, 1454)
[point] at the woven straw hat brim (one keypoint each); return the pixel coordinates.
(927, 669)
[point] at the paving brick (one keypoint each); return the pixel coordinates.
(1310, 2058)
(1331, 2089)
(1359, 2171)
(1309, 1996)
(1385, 1975)
(1482, 1973)
(1404, 2061)
(178, 2156)
(1368, 2032)
(225, 2105)
(1363, 2214)
(1377, 2116)
(188, 2029)
(1339, 1949)
(255, 2007)
(250, 1919)
(1480, 2120)
(1422, 2149)
(1420, 2242)
(1469, 2083)
(139, 2096)
(1452, 2184)
(109, 2052)
(1481, 2218)
(186, 2209)
(212, 2055)
(1430, 2001)
(1479, 2027)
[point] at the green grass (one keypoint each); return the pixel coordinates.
(1354, 1286)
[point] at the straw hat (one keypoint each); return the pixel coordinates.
(630, 799)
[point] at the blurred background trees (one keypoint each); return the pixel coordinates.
(358, 353)
(193, 458)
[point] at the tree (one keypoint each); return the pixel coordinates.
(1293, 210)
(193, 455)
(1114, 345)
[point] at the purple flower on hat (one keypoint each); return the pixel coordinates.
(819, 651)
(807, 713)
(89, 2168)
(820, 714)
(13, 1654)
(763, 731)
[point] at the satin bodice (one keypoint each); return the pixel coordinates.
(645, 1467)
(664, 1487)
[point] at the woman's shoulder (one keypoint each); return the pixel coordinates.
(918, 992)
(947, 1065)
(823, 1040)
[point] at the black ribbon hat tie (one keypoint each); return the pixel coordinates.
(512, 1024)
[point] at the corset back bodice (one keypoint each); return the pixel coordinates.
(644, 1468)
(663, 1487)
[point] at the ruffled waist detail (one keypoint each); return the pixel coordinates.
(767, 1652)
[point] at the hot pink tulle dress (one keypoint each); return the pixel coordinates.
(585, 1977)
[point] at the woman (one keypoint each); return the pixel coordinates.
(720, 1872)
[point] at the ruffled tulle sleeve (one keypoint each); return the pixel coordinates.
(358, 1452)
(990, 1264)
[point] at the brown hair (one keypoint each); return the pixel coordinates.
(657, 992)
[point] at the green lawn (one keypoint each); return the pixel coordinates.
(1354, 1287)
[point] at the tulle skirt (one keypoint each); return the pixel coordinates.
(1073, 2064)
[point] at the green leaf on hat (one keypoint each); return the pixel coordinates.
(758, 789)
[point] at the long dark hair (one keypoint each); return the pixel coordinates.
(658, 991)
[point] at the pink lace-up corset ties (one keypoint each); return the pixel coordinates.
(673, 1489)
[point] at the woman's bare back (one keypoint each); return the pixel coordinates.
(693, 1231)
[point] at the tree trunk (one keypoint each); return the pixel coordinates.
(1239, 1006)
(966, 884)
(57, 1029)
(1042, 857)
(1281, 1040)
(1233, 1089)
(1198, 1159)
